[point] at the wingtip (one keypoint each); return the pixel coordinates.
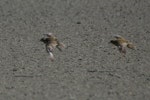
(117, 36)
(48, 34)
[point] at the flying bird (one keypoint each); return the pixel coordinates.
(51, 42)
(122, 43)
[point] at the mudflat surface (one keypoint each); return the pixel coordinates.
(89, 68)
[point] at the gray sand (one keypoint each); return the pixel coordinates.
(89, 68)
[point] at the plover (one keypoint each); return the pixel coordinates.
(51, 43)
(122, 43)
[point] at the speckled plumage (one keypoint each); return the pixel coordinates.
(122, 43)
(51, 43)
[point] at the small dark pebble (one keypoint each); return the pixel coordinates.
(91, 71)
(14, 69)
(9, 87)
(80, 59)
(78, 22)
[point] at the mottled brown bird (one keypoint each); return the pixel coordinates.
(51, 43)
(122, 43)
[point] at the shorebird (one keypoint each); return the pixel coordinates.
(51, 43)
(122, 43)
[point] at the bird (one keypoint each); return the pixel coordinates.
(122, 44)
(51, 42)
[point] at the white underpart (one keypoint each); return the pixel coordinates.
(51, 55)
(124, 44)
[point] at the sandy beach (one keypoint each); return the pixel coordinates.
(89, 67)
